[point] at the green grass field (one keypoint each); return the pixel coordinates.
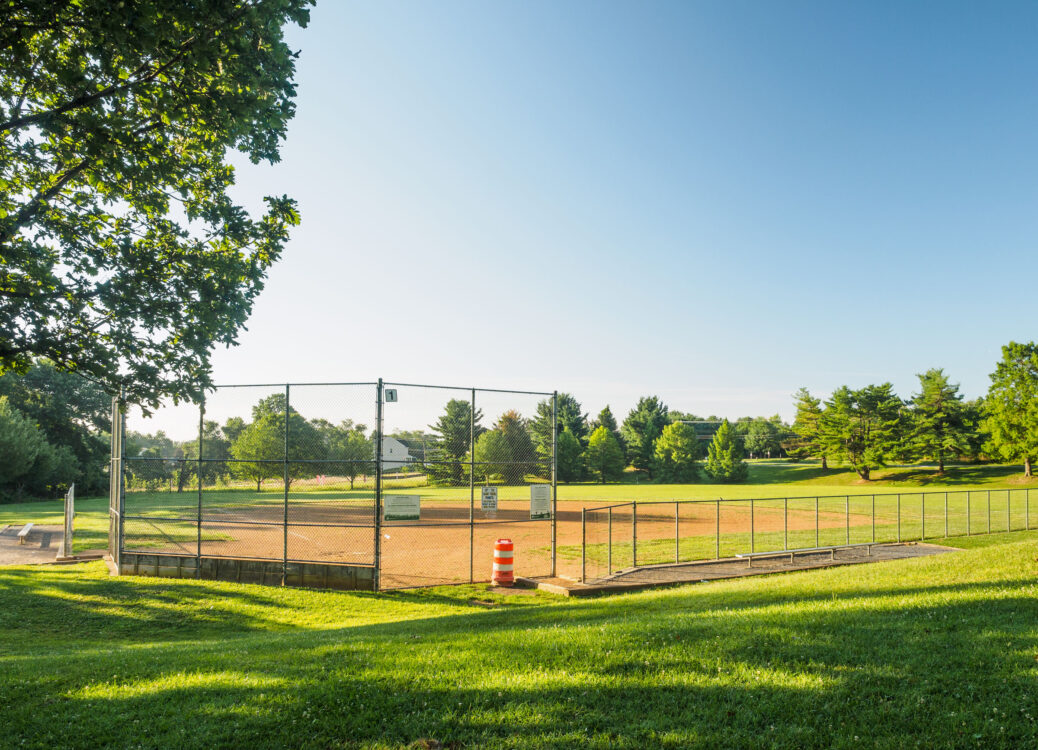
(931, 652)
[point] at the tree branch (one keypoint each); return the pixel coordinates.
(88, 99)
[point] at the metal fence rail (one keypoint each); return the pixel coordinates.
(633, 534)
(305, 474)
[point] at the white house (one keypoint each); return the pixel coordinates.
(394, 454)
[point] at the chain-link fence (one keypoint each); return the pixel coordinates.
(626, 535)
(352, 485)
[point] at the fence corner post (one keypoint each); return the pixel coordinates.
(583, 545)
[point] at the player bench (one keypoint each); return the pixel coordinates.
(750, 556)
(24, 533)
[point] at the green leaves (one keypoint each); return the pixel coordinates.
(604, 456)
(675, 454)
(1012, 405)
(115, 123)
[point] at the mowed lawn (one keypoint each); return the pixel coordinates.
(932, 652)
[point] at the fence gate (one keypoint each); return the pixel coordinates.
(369, 485)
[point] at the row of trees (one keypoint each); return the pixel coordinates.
(869, 427)
(662, 445)
(254, 451)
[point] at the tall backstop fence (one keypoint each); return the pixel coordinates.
(371, 485)
(627, 535)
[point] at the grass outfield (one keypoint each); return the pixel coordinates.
(930, 652)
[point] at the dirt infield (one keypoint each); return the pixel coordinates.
(436, 550)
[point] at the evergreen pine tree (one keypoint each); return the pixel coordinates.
(676, 451)
(807, 427)
(644, 424)
(940, 427)
(724, 460)
(607, 420)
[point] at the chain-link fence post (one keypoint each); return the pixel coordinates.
(284, 519)
(752, 529)
(785, 523)
(378, 485)
(121, 487)
(989, 511)
(873, 518)
(677, 535)
(847, 515)
(899, 517)
(634, 534)
(969, 514)
(198, 471)
(922, 503)
(717, 535)
(816, 521)
(609, 543)
(946, 514)
(472, 486)
(583, 545)
(554, 479)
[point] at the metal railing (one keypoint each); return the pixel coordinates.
(635, 534)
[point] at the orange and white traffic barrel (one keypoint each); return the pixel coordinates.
(503, 562)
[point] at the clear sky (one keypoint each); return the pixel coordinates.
(713, 202)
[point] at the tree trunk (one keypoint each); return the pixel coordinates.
(1027, 466)
(351, 483)
(864, 473)
(940, 464)
(258, 483)
(825, 464)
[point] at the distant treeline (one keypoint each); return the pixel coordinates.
(54, 430)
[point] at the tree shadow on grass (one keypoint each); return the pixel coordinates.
(959, 673)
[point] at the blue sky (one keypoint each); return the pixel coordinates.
(715, 202)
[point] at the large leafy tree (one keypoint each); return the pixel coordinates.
(643, 425)
(122, 254)
(507, 450)
(216, 449)
(941, 427)
(260, 449)
(20, 444)
(724, 457)
(73, 413)
(762, 438)
(604, 456)
(675, 453)
(569, 457)
(863, 428)
(349, 451)
(1012, 405)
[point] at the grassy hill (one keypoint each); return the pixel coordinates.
(937, 652)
